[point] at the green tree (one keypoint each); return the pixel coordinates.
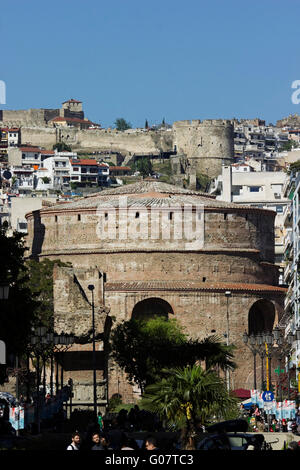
(139, 348)
(122, 125)
(202, 181)
(40, 283)
(289, 145)
(294, 167)
(146, 124)
(144, 166)
(18, 313)
(62, 147)
(185, 395)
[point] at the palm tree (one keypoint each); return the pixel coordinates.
(211, 350)
(188, 394)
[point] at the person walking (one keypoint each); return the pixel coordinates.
(76, 441)
(298, 421)
(100, 421)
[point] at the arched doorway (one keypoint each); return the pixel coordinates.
(261, 317)
(149, 308)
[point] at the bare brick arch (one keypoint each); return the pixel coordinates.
(261, 316)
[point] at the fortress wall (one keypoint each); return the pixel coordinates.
(207, 144)
(41, 136)
(96, 139)
(123, 142)
(23, 116)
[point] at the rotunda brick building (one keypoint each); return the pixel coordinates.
(165, 250)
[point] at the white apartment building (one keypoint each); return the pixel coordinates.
(257, 141)
(55, 172)
(84, 171)
(292, 259)
(13, 137)
(263, 189)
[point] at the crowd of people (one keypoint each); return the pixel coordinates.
(262, 422)
(115, 432)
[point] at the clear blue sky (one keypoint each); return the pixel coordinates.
(158, 59)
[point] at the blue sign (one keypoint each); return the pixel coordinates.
(268, 396)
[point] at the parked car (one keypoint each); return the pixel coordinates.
(231, 435)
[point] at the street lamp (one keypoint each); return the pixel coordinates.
(254, 351)
(227, 295)
(91, 288)
(61, 344)
(42, 344)
(269, 340)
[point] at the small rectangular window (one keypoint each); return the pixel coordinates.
(78, 217)
(137, 215)
(56, 218)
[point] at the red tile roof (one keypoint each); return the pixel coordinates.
(193, 286)
(47, 152)
(30, 149)
(84, 162)
(120, 168)
(68, 119)
(72, 101)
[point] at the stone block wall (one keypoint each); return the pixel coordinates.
(207, 145)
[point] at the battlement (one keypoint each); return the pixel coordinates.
(205, 123)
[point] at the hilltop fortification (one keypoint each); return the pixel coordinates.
(206, 144)
(197, 146)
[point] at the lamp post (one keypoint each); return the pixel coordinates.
(91, 287)
(269, 341)
(227, 295)
(254, 351)
(275, 343)
(262, 354)
(42, 344)
(61, 344)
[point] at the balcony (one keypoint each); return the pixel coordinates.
(61, 172)
(25, 184)
(288, 239)
(287, 273)
(287, 216)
